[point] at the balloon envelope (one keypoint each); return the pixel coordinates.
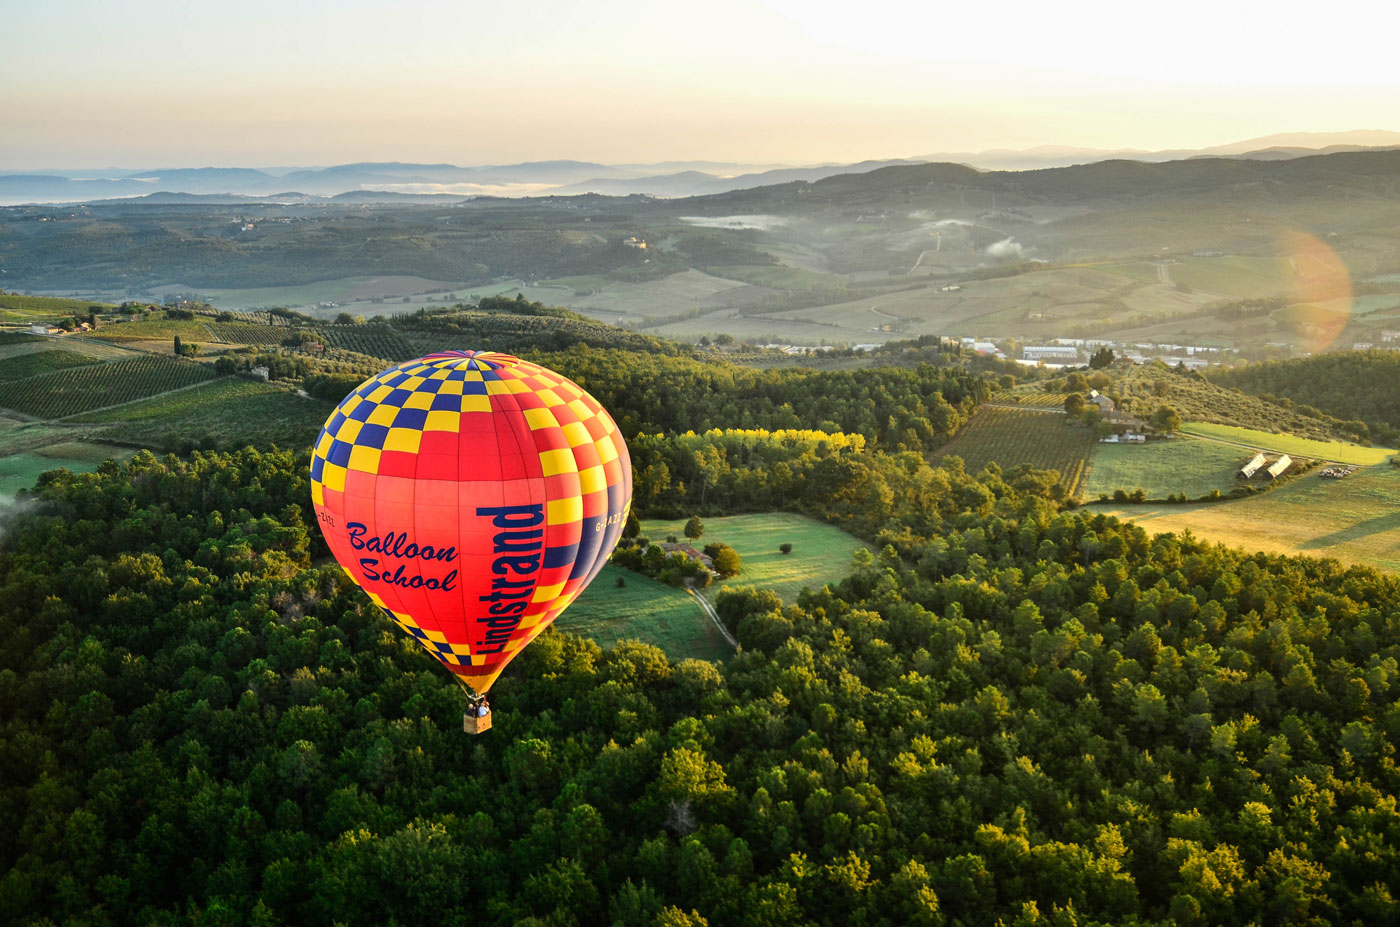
(473, 496)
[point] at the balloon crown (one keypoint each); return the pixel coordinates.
(473, 360)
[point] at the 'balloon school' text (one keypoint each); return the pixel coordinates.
(397, 546)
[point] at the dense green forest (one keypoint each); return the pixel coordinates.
(1352, 385)
(1010, 714)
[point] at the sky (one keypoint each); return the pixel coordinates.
(156, 83)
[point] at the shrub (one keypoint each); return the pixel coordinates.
(786, 548)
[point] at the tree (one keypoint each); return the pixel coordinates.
(1101, 358)
(785, 548)
(1074, 404)
(1165, 419)
(694, 528)
(1076, 383)
(632, 527)
(179, 348)
(726, 561)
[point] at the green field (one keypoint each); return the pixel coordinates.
(20, 471)
(821, 553)
(1163, 468)
(343, 290)
(1354, 520)
(1235, 275)
(37, 362)
(16, 307)
(1008, 437)
(1337, 451)
(228, 412)
(83, 389)
(645, 610)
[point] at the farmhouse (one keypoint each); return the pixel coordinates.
(1127, 437)
(40, 328)
(690, 552)
(1105, 404)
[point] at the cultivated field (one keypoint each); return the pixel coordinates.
(1008, 437)
(83, 389)
(1337, 451)
(821, 553)
(1354, 520)
(344, 290)
(227, 412)
(34, 363)
(665, 297)
(645, 610)
(1163, 468)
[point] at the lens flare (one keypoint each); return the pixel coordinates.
(1319, 285)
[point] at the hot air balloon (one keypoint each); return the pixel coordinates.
(473, 496)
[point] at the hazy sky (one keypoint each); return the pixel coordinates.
(155, 83)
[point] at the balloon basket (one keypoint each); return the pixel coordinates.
(474, 725)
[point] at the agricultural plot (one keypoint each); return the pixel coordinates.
(645, 610)
(1164, 468)
(1008, 437)
(83, 389)
(821, 553)
(260, 336)
(1235, 275)
(373, 340)
(340, 290)
(227, 413)
(16, 307)
(153, 330)
(1034, 399)
(1354, 520)
(1338, 451)
(654, 298)
(37, 362)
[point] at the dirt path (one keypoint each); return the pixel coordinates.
(709, 609)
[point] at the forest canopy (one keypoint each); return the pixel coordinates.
(1007, 713)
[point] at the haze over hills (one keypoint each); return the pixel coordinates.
(567, 177)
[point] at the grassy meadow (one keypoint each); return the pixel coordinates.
(644, 610)
(1163, 468)
(1336, 451)
(820, 553)
(1354, 520)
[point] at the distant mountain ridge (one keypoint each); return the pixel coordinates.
(570, 177)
